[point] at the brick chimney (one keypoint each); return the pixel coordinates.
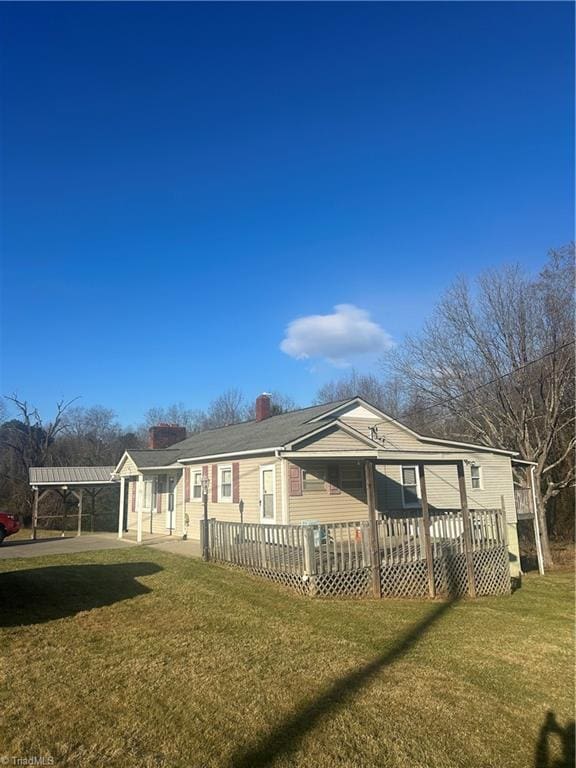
(263, 406)
(165, 435)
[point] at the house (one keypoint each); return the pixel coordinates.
(306, 465)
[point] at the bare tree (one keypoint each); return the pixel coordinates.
(281, 403)
(177, 413)
(25, 442)
(228, 408)
(497, 365)
(93, 436)
(385, 394)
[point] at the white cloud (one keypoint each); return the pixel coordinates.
(347, 333)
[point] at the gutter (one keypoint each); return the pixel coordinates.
(253, 452)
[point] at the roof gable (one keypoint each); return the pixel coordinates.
(334, 437)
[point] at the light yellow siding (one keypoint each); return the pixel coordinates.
(442, 484)
(333, 440)
(128, 467)
(249, 489)
(323, 506)
(392, 435)
(443, 492)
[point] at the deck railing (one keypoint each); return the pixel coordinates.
(330, 553)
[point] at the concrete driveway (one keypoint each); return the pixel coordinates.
(59, 545)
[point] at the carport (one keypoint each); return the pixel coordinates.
(68, 482)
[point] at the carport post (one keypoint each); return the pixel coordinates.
(64, 495)
(35, 514)
(80, 498)
(92, 509)
(121, 507)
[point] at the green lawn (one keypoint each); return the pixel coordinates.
(138, 658)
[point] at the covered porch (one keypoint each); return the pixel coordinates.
(150, 504)
(423, 552)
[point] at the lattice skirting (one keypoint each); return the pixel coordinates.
(451, 575)
(291, 580)
(491, 572)
(342, 584)
(404, 580)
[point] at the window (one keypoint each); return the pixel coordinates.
(197, 484)
(410, 487)
(224, 483)
(313, 481)
(154, 502)
(351, 477)
(476, 474)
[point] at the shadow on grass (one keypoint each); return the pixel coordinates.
(555, 747)
(35, 595)
(286, 737)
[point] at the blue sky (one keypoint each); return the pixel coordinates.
(180, 182)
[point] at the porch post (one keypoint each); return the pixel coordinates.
(467, 532)
(427, 540)
(137, 491)
(373, 528)
(121, 507)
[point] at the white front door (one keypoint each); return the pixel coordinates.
(268, 493)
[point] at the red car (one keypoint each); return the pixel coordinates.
(9, 524)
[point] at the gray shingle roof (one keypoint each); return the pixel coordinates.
(253, 435)
(247, 436)
(70, 475)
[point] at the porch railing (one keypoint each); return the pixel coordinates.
(341, 555)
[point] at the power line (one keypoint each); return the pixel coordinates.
(489, 399)
(492, 381)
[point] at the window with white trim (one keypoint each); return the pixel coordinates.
(197, 484)
(476, 476)
(225, 483)
(410, 487)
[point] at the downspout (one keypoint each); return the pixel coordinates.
(536, 524)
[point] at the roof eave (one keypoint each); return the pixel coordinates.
(229, 455)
